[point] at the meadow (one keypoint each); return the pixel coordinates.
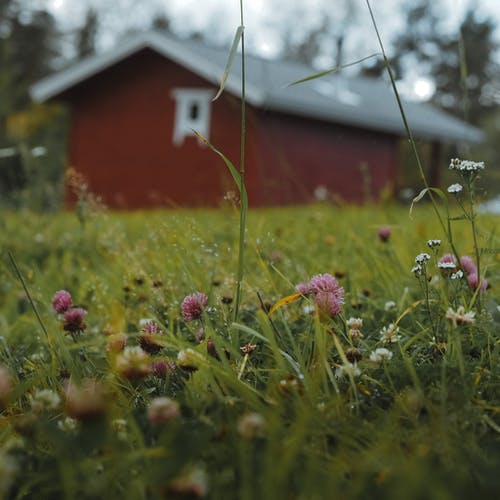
(306, 352)
(376, 378)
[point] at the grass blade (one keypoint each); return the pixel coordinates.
(230, 59)
(333, 70)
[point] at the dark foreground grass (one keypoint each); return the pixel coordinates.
(289, 405)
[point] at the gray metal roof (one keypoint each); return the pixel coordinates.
(362, 102)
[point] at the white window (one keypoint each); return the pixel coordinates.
(192, 112)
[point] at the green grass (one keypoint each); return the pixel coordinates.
(422, 425)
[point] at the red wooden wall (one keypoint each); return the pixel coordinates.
(121, 140)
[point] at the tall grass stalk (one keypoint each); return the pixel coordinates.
(243, 205)
(407, 128)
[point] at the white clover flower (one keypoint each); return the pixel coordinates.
(422, 257)
(455, 188)
(458, 275)
(252, 425)
(380, 354)
(390, 304)
(355, 323)
(460, 317)
(68, 424)
(348, 369)
(389, 334)
(44, 400)
(433, 243)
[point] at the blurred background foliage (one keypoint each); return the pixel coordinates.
(462, 66)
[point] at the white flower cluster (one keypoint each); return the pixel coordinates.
(447, 265)
(422, 257)
(458, 275)
(433, 243)
(455, 188)
(417, 270)
(466, 165)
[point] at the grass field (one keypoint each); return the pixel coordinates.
(301, 402)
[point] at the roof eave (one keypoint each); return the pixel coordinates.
(56, 84)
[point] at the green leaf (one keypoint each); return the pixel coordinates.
(230, 59)
(333, 70)
(234, 172)
(424, 191)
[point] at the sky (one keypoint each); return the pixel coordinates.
(266, 21)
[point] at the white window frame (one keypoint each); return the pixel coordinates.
(184, 123)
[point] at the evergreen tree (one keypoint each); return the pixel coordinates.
(87, 35)
(465, 69)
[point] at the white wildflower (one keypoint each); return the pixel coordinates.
(252, 425)
(355, 323)
(447, 265)
(348, 369)
(455, 188)
(389, 305)
(389, 334)
(458, 275)
(380, 354)
(466, 165)
(422, 257)
(44, 400)
(417, 270)
(68, 424)
(460, 317)
(433, 243)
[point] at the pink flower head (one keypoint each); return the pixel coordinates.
(61, 301)
(193, 305)
(474, 282)
(74, 320)
(448, 257)
(304, 288)
(328, 295)
(151, 327)
(384, 233)
(468, 265)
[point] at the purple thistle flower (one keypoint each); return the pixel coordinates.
(74, 320)
(61, 301)
(193, 305)
(384, 233)
(468, 264)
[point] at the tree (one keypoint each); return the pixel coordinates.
(87, 34)
(465, 69)
(325, 38)
(461, 64)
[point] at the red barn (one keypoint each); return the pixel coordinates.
(133, 111)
